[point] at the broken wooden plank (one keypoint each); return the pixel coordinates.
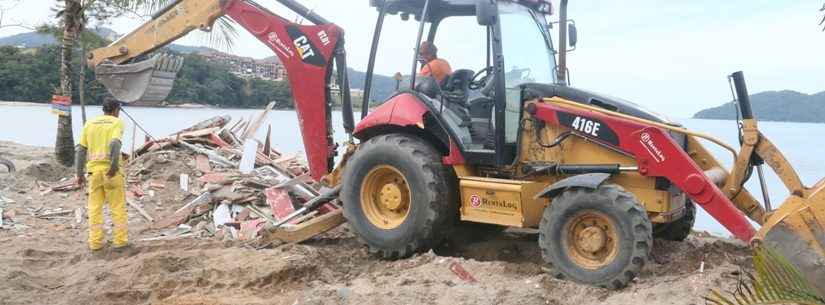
(302, 189)
(253, 128)
(203, 198)
(56, 213)
(252, 208)
(215, 122)
(140, 210)
(268, 142)
(306, 230)
(187, 235)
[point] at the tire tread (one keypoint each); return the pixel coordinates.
(639, 219)
(437, 213)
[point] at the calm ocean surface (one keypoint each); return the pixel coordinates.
(802, 143)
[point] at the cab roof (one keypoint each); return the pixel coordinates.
(440, 8)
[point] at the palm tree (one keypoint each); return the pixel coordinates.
(72, 21)
(73, 18)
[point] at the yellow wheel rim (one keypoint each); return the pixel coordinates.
(385, 197)
(592, 240)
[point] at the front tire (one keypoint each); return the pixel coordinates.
(600, 237)
(398, 196)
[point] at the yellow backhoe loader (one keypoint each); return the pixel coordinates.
(511, 145)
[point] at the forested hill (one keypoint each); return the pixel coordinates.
(786, 105)
(31, 75)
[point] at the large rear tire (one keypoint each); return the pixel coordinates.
(600, 237)
(398, 196)
(679, 229)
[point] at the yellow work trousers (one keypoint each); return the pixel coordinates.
(105, 189)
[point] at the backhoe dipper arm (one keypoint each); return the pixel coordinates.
(306, 51)
(166, 26)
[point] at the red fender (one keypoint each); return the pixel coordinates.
(404, 110)
(401, 110)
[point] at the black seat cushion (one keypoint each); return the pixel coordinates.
(459, 80)
(456, 87)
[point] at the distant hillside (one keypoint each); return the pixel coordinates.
(36, 40)
(382, 86)
(786, 105)
(28, 40)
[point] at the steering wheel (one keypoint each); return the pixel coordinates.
(480, 79)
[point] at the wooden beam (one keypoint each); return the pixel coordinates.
(253, 127)
(140, 210)
(308, 229)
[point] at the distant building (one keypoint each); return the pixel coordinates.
(245, 67)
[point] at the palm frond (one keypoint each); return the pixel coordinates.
(222, 36)
(774, 281)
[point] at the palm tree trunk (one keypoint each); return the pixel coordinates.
(64, 145)
(82, 82)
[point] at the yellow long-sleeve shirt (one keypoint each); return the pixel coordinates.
(97, 135)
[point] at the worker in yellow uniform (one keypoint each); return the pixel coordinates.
(98, 158)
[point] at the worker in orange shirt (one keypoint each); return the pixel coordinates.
(98, 156)
(431, 65)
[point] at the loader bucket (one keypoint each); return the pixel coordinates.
(149, 81)
(797, 231)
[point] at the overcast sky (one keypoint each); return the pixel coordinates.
(671, 56)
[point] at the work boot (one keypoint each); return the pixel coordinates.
(99, 252)
(127, 249)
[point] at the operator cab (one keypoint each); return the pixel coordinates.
(494, 49)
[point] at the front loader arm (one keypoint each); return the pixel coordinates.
(741, 197)
(171, 23)
(656, 154)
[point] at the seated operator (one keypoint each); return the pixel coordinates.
(431, 65)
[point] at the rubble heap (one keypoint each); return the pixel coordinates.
(199, 169)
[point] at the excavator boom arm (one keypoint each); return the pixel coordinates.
(174, 22)
(306, 51)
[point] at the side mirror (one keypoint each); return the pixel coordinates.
(486, 12)
(572, 35)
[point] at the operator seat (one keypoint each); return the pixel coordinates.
(457, 87)
(455, 90)
(481, 116)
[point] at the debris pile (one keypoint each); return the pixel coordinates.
(199, 172)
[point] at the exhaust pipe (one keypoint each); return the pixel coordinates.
(562, 68)
(742, 95)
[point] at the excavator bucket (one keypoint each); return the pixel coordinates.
(797, 231)
(148, 81)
